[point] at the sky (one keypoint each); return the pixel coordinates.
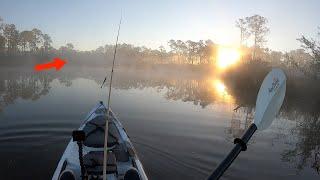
(90, 24)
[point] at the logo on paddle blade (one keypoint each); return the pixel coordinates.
(275, 85)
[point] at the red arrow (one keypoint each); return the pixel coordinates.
(56, 63)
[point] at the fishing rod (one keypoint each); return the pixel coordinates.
(268, 103)
(108, 110)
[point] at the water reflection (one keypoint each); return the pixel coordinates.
(305, 150)
(201, 92)
(241, 119)
(22, 85)
(221, 91)
(299, 106)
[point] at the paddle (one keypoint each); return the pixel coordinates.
(269, 101)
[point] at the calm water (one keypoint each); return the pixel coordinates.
(182, 127)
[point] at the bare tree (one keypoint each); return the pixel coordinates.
(257, 26)
(313, 47)
(242, 24)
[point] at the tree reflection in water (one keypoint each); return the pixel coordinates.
(22, 85)
(305, 150)
(301, 105)
(242, 118)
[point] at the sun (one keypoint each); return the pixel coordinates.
(227, 56)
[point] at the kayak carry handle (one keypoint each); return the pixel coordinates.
(241, 145)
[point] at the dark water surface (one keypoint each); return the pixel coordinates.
(182, 127)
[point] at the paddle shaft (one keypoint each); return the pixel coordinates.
(241, 145)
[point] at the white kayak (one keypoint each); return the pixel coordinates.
(122, 160)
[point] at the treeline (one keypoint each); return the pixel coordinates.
(253, 32)
(13, 42)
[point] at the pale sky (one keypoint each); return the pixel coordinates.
(89, 24)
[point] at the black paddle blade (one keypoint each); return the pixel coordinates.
(78, 135)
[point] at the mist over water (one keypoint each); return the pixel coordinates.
(182, 89)
(182, 123)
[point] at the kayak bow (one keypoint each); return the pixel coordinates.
(122, 163)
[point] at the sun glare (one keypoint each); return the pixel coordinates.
(220, 91)
(220, 87)
(227, 57)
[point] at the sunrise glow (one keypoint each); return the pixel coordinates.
(220, 91)
(227, 57)
(220, 87)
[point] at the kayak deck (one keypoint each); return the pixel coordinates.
(122, 158)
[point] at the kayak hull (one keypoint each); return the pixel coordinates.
(121, 148)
